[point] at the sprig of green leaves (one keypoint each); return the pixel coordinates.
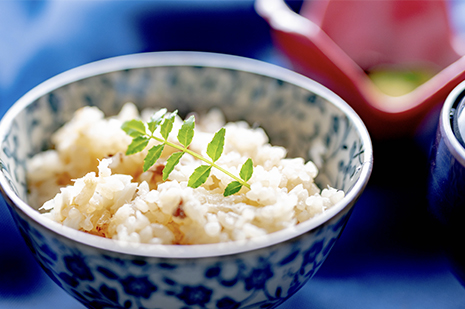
(159, 128)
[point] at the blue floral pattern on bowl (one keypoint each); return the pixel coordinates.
(296, 112)
(263, 278)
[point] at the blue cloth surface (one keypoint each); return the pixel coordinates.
(389, 255)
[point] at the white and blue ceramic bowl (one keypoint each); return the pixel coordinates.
(296, 112)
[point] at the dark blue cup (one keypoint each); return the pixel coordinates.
(446, 183)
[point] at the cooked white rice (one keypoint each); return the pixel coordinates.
(104, 192)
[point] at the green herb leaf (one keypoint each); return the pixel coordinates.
(186, 133)
(137, 145)
(142, 133)
(246, 170)
(199, 176)
(172, 161)
(134, 128)
(215, 147)
(232, 188)
(156, 119)
(152, 156)
(167, 125)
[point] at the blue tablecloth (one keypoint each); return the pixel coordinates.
(389, 255)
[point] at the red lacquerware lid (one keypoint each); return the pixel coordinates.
(335, 42)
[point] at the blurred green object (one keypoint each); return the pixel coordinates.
(399, 81)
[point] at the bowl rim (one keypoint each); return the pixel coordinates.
(445, 122)
(186, 58)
